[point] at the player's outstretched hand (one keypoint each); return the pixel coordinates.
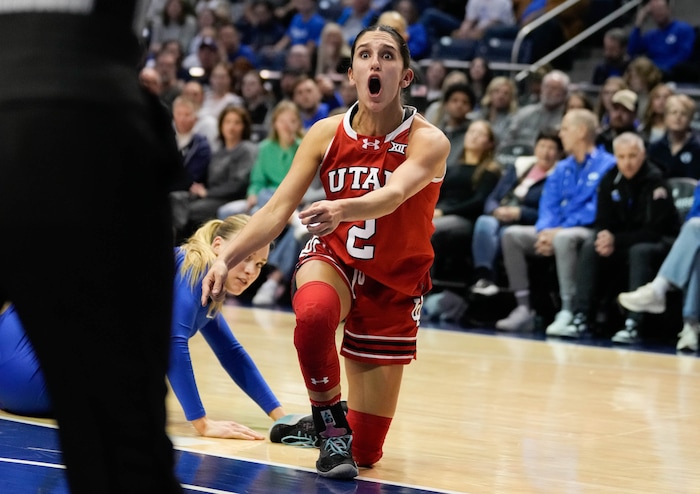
(225, 429)
(213, 282)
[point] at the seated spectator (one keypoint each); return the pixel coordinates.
(479, 75)
(208, 21)
(641, 77)
(458, 103)
(173, 47)
(416, 34)
(636, 221)
(566, 212)
(435, 74)
(257, 101)
(274, 158)
(615, 58)
(348, 95)
(299, 59)
(176, 21)
(333, 53)
(530, 88)
(604, 105)
(436, 110)
(228, 174)
(678, 152)
(308, 98)
(464, 190)
(529, 120)
(201, 65)
(355, 16)
(653, 124)
(150, 79)
(193, 147)
(259, 27)
(304, 29)
(668, 44)
(166, 65)
(206, 125)
(229, 40)
(479, 15)
(679, 271)
(498, 105)
(623, 118)
(514, 200)
(220, 93)
(578, 99)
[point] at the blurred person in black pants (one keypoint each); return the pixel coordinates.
(87, 252)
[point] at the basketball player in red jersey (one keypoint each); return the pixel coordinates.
(368, 262)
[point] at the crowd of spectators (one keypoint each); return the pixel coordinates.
(537, 169)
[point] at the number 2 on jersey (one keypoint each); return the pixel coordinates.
(362, 233)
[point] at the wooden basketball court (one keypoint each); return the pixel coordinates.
(478, 413)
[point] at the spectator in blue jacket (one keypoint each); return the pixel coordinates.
(566, 212)
(680, 270)
(304, 29)
(636, 222)
(668, 44)
(417, 36)
(514, 201)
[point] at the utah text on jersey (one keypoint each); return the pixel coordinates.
(358, 178)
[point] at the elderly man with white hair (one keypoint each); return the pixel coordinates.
(567, 210)
(529, 120)
(636, 222)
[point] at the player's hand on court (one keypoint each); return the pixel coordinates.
(225, 429)
(213, 282)
(321, 217)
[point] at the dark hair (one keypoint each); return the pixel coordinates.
(403, 47)
(245, 118)
(551, 135)
(460, 88)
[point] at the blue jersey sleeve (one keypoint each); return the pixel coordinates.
(238, 364)
(180, 373)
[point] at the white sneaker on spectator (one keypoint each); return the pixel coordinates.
(561, 321)
(485, 287)
(627, 335)
(643, 299)
(688, 338)
(267, 294)
(520, 319)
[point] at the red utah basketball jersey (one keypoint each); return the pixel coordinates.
(395, 249)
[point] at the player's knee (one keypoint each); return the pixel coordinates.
(369, 432)
(317, 308)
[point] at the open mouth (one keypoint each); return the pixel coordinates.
(375, 85)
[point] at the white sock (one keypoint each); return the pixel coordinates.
(660, 286)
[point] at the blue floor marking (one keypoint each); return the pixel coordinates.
(30, 462)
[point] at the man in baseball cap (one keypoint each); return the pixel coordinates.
(623, 118)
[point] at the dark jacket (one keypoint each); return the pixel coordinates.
(459, 194)
(502, 194)
(685, 163)
(630, 211)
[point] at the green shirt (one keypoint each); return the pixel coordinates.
(271, 166)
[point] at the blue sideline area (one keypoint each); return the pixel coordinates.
(30, 462)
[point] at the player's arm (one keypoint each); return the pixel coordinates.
(426, 156)
(268, 222)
